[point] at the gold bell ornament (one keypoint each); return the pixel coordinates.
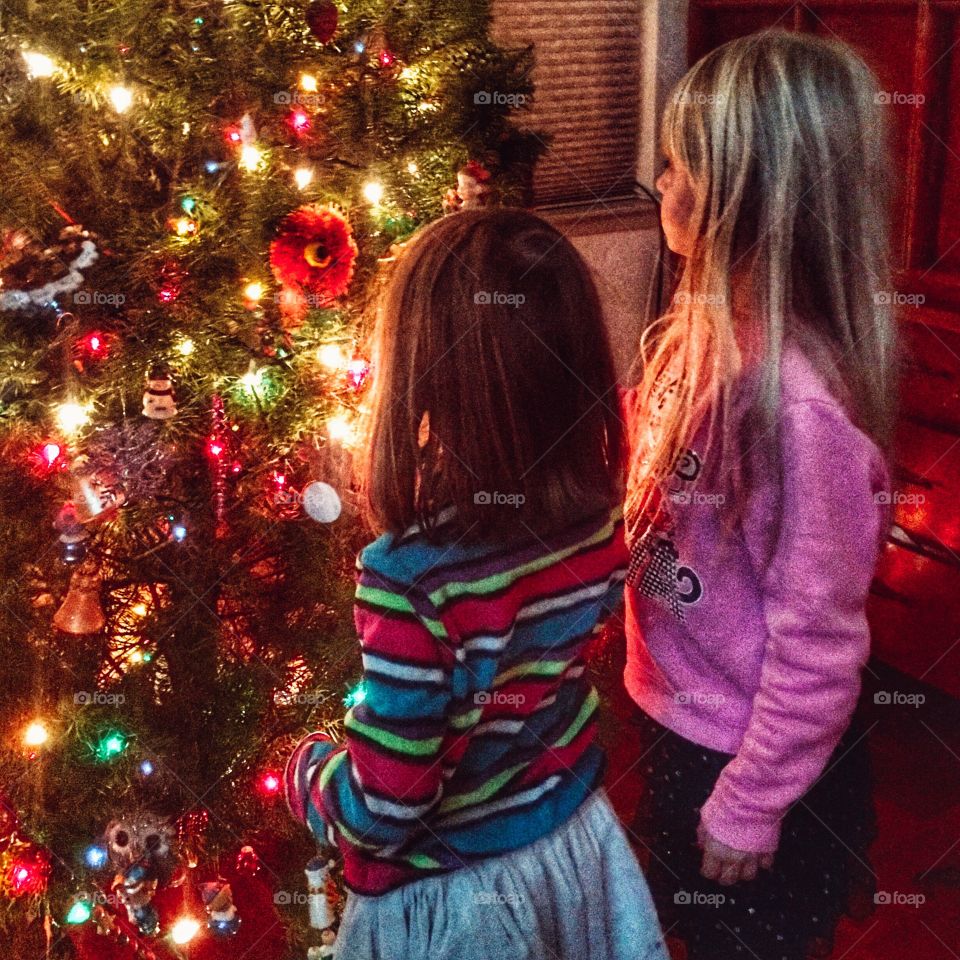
(81, 613)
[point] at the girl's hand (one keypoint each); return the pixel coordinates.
(727, 865)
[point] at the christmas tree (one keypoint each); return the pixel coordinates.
(199, 201)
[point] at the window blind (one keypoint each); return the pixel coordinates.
(586, 99)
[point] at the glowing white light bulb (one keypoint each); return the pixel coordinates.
(36, 735)
(251, 158)
(184, 930)
(303, 177)
(121, 97)
(332, 356)
(72, 416)
(38, 64)
(341, 429)
(253, 291)
(373, 192)
(308, 83)
(251, 379)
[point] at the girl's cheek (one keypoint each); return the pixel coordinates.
(678, 207)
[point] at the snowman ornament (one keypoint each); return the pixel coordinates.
(159, 402)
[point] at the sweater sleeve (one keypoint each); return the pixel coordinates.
(375, 791)
(815, 593)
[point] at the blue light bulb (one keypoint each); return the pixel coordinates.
(95, 857)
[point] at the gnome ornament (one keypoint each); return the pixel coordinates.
(136, 888)
(159, 402)
(223, 918)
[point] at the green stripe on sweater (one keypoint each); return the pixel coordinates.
(586, 711)
(330, 767)
(393, 741)
(536, 668)
(397, 603)
(499, 581)
(461, 800)
(463, 721)
(423, 862)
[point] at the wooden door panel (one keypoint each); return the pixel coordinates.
(913, 46)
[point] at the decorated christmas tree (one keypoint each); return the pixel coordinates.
(198, 202)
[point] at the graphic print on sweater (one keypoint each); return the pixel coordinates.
(655, 568)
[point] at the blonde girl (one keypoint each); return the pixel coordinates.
(754, 506)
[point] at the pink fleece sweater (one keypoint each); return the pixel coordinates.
(755, 648)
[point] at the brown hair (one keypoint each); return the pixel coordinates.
(495, 391)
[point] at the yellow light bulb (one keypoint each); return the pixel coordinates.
(412, 168)
(253, 291)
(185, 348)
(121, 97)
(38, 64)
(184, 930)
(185, 227)
(251, 158)
(373, 192)
(308, 83)
(139, 609)
(303, 177)
(36, 735)
(72, 416)
(332, 356)
(136, 657)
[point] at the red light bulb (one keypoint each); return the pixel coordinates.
(299, 121)
(28, 874)
(270, 783)
(51, 453)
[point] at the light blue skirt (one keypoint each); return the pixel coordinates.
(576, 894)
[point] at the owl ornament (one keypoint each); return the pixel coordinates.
(141, 849)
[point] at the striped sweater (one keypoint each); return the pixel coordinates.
(476, 734)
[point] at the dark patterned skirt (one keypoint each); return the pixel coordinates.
(786, 912)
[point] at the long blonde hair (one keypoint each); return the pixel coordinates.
(785, 145)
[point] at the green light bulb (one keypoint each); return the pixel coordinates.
(80, 912)
(356, 696)
(112, 745)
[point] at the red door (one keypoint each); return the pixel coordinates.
(914, 48)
